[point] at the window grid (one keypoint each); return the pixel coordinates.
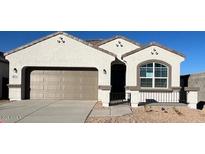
(153, 75)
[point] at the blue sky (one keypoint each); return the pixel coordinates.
(191, 44)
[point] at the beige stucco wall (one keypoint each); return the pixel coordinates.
(50, 53)
(134, 60)
(192, 99)
(73, 53)
(137, 58)
(119, 51)
(4, 72)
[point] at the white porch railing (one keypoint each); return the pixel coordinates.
(162, 97)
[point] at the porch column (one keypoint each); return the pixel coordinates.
(104, 95)
(133, 92)
(192, 97)
(14, 92)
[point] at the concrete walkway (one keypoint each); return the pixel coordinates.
(117, 110)
(46, 111)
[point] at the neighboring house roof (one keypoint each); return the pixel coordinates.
(55, 34)
(2, 59)
(118, 37)
(194, 74)
(149, 45)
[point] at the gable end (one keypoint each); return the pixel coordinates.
(53, 35)
(150, 45)
(117, 37)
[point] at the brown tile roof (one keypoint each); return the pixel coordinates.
(55, 34)
(149, 45)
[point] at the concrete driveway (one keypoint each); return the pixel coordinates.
(46, 111)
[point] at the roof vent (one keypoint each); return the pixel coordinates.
(61, 40)
(119, 44)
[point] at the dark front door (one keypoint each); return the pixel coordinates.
(117, 82)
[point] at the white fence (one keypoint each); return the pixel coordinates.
(164, 97)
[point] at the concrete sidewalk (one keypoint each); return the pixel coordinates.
(117, 110)
(4, 102)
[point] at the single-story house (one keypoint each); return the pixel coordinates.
(61, 66)
(4, 76)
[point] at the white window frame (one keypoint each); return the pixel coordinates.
(153, 76)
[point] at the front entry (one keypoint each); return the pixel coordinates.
(118, 70)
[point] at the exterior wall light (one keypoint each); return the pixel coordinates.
(15, 70)
(104, 71)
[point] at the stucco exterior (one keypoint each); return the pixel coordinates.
(119, 46)
(50, 53)
(134, 60)
(149, 54)
(63, 51)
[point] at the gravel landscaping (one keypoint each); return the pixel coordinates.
(153, 114)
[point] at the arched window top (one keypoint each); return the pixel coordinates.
(147, 65)
(151, 65)
(159, 65)
(154, 75)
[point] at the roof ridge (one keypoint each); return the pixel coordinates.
(94, 39)
(119, 36)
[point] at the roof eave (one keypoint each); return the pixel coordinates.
(119, 37)
(55, 34)
(32, 43)
(152, 44)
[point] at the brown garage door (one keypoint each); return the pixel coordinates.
(64, 84)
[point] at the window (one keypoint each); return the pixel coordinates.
(154, 75)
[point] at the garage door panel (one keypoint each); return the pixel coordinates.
(36, 94)
(69, 84)
(36, 78)
(70, 89)
(51, 72)
(51, 88)
(51, 79)
(73, 96)
(35, 82)
(88, 86)
(51, 84)
(71, 74)
(52, 95)
(36, 87)
(87, 97)
(64, 84)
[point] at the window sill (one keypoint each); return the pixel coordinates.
(155, 90)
